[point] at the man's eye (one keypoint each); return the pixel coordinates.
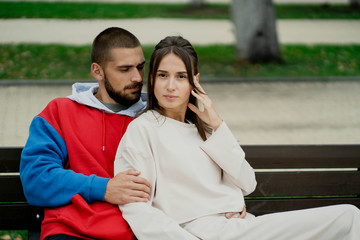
(124, 69)
(141, 67)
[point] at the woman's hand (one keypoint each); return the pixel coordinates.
(209, 114)
(241, 214)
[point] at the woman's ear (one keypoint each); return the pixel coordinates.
(97, 71)
(197, 77)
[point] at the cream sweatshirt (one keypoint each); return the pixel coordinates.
(190, 178)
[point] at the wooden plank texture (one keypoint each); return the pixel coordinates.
(307, 183)
(20, 216)
(260, 207)
(10, 159)
(303, 156)
(11, 189)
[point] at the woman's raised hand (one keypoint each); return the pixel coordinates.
(209, 114)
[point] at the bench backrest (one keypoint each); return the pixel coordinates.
(289, 178)
(15, 212)
(298, 177)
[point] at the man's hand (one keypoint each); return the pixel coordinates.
(127, 187)
(242, 214)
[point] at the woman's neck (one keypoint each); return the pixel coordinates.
(176, 115)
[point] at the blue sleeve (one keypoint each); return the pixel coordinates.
(45, 181)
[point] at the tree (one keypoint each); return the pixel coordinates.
(354, 3)
(255, 30)
(197, 3)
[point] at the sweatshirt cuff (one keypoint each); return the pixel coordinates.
(98, 187)
(223, 148)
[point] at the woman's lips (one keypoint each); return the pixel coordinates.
(170, 97)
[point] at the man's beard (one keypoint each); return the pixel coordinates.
(120, 96)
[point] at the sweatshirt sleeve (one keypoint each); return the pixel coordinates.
(45, 181)
(223, 148)
(146, 221)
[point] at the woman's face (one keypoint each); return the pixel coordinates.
(172, 88)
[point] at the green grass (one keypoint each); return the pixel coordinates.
(27, 61)
(14, 233)
(83, 10)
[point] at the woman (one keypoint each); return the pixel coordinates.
(198, 171)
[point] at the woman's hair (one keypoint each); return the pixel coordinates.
(184, 50)
(113, 37)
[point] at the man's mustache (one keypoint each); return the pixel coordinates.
(134, 85)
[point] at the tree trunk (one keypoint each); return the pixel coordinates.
(197, 3)
(354, 3)
(255, 29)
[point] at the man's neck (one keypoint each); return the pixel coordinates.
(115, 107)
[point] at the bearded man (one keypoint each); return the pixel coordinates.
(68, 160)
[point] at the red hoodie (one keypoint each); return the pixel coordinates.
(91, 137)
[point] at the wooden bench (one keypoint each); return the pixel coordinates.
(298, 177)
(15, 212)
(289, 178)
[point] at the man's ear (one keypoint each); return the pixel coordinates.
(97, 71)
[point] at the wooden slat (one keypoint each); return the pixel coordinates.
(307, 183)
(11, 189)
(20, 216)
(260, 207)
(303, 156)
(10, 159)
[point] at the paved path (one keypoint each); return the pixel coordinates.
(150, 31)
(257, 113)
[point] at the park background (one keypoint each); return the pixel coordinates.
(311, 97)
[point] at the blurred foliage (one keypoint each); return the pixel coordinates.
(13, 235)
(31, 61)
(89, 10)
(44, 62)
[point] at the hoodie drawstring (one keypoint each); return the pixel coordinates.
(103, 130)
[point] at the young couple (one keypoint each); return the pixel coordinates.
(178, 170)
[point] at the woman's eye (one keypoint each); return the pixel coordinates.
(161, 75)
(182, 77)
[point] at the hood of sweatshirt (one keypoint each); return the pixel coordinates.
(83, 93)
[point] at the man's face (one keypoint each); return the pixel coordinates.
(124, 75)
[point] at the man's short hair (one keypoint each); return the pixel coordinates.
(110, 38)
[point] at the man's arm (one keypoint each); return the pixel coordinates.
(46, 183)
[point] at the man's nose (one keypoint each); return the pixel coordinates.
(137, 76)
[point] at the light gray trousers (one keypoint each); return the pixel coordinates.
(339, 222)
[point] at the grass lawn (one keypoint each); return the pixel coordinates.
(86, 10)
(69, 62)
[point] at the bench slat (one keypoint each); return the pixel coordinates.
(11, 189)
(10, 159)
(260, 207)
(307, 184)
(20, 217)
(303, 156)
